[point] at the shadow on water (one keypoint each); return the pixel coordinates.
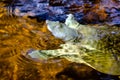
(19, 35)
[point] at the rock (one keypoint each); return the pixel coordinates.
(85, 11)
(57, 2)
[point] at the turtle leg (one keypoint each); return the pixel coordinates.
(45, 54)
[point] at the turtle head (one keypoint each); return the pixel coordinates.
(71, 22)
(52, 25)
(61, 31)
(71, 16)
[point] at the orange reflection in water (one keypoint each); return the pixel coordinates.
(17, 36)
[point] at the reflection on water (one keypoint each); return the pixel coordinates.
(18, 35)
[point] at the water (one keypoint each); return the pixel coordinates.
(18, 35)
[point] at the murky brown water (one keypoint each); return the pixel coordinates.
(21, 34)
(17, 36)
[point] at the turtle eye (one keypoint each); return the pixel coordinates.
(61, 26)
(58, 26)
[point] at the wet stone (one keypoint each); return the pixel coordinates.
(114, 21)
(51, 9)
(57, 2)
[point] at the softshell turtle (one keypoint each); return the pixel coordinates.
(95, 47)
